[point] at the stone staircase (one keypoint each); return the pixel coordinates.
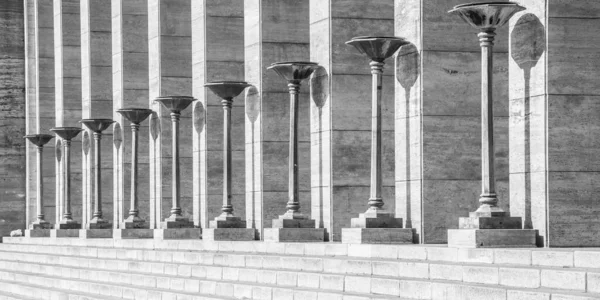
(68, 268)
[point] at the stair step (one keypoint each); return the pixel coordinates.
(393, 287)
(25, 291)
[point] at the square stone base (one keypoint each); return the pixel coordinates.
(294, 223)
(102, 225)
(178, 233)
(95, 233)
(133, 234)
(504, 222)
(294, 234)
(34, 233)
(228, 234)
(62, 233)
(73, 225)
(377, 235)
(491, 238)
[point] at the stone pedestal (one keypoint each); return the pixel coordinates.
(377, 235)
(303, 235)
(63, 233)
(492, 238)
(228, 234)
(96, 233)
(177, 233)
(34, 233)
(120, 234)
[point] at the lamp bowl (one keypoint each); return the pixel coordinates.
(175, 104)
(487, 15)
(39, 139)
(377, 48)
(97, 125)
(227, 89)
(135, 115)
(66, 133)
(294, 71)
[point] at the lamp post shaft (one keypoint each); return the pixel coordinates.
(375, 200)
(227, 207)
(293, 204)
(97, 176)
(134, 169)
(40, 184)
(488, 184)
(176, 209)
(67, 186)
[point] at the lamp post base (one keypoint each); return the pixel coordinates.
(492, 238)
(98, 223)
(100, 233)
(65, 233)
(224, 221)
(177, 233)
(175, 221)
(35, 233)
(303, 235)
(41, 225)
(376, 219)
(134, 222)
(229, 234)
(138, 233)
(68, 224)
(377, 235)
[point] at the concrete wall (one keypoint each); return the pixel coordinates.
(12, 118)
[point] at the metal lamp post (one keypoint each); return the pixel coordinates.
(39, 140)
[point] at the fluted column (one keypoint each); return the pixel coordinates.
(274, 31)
(129, 29)
(216, 61)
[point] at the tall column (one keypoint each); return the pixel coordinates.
(96, 83)
(170, 74)
(67, 74)
(129, 90)
(554, 121)
(438, 118)
(340, 109)
(13, 57)
(274, 31)
(217, 55)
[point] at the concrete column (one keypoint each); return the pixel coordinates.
(96, 83)
(274, 31)
(340, 111)
(13, 99)
(438, 116)
(129, 90)
(170, 74)
(67, 82)
(554, 121)
(217, 54)
(31, 121)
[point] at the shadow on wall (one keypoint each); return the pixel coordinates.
(407, 73)
(319, 94)
(528, 43)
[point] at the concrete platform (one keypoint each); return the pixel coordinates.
(294, 234)
(492, 238)
(137, 233)
(177, 233)
(377, 235)
(33, 233)
(64, 233)
(229, 234)
(95, 233)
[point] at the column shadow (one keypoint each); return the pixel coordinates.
(319, 94)
(408, 61)
(527, 44)
(252, 107)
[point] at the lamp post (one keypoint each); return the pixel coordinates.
(376, 225)
(39, 140)
(489, 225)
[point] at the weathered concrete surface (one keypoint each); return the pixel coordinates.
(228, 234)
(377, 235)
(273, 31)
(340, 109)
(133, 233)
(13, 206)
(217, 54)
(554, 115)
(95, 233)
(170, 74)
(129, 29)
(437, 109)
(304, 235)
(177, 233)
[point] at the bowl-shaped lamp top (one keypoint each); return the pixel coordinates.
(97, 125)
(175, 104)
(227, 89)
(135, 115)
(39, 139)
(377, 48)
(487, 15)
(66, 133)
(294, 71)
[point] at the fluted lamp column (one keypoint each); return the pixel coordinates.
(293, 226)
(134, 226)
(489, 225)
(377, 225)
(227, 226)
(67, 227)
(98, 227)
(176, 226)
(40, 227)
